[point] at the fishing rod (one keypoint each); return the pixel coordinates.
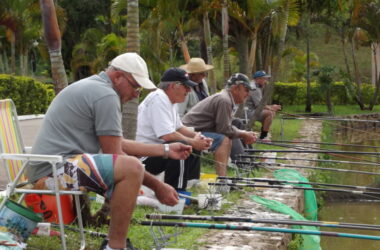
(265, 221)
(257, 164)
(310, 151)
(374, 195)
(330, 151)
(249, 228)
(315, 160)
(329, 119)
(275, 181)
(327, 143)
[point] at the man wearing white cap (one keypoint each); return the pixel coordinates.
(83, 120)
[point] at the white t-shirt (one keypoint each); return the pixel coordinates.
(157, 117)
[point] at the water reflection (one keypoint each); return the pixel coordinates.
(353, 211)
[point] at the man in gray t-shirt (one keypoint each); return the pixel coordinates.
(85, 119)
(267, 115)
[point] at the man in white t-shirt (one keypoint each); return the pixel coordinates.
(159, 122)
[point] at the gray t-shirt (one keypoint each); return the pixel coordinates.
(77, 116)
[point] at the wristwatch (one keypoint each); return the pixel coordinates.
(166, 151)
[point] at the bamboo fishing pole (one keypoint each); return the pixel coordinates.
(310, 151)
(364, 193)
(270, 181)
(314, 160)
(326, 143)
(265, 221)
(258, 164)
(249, 228)
(329, 151)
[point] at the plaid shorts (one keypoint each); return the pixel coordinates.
(84, 172)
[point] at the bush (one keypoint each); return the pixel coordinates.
(295, 93)
(29, 95)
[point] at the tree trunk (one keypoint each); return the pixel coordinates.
(184, 48)
(375, 49)
(358, 80)
(242, 49)
(308, 85)
(53, 40)
(252, 54)
(226, 58)
(343, 41)
(207, 38)
(130, 109)
(13, 52)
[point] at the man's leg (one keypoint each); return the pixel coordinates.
(221, 156)
(266, 120)
(128, 177)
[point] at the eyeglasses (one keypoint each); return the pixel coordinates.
(135, 86)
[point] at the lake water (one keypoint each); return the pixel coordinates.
(363, 212)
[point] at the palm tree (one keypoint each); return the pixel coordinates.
(53, 40)
(133, 45)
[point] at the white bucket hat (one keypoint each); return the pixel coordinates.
(196, 65)
(134, 64)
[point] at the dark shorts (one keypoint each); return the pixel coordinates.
(217, 140)
(85, 172)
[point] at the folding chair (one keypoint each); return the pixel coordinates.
(14, 159)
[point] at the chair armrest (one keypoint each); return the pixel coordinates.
(31, 157)
(28, 150)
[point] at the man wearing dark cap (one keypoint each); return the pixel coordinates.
(267, 115)
(159, 122)
(215, 113)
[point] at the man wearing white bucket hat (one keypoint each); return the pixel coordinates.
(85, 119)
(197, 70)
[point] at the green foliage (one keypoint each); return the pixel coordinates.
(29, 95)
(295, 93)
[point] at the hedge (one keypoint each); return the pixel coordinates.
(295, 93)
(29, 95)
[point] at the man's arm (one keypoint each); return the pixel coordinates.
(198, 141)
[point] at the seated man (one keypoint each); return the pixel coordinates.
(197, 70)
(267, 115)
(214, 114)
(158, 122)
(84, 119)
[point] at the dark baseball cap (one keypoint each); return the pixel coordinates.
(260, 73)
(177, 75)
(239, 78)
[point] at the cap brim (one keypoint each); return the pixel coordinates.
(189, 71)
(189, 83)
(144, 82)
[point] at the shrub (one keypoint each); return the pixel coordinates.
(295, 93)
(29, 95)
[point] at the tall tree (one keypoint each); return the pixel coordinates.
(133, 45)
(53, 41)
(225, 28)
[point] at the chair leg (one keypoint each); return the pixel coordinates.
(80, 222)
(60, 219)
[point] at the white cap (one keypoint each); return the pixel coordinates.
(134, 64)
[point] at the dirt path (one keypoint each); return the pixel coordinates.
(253, 240)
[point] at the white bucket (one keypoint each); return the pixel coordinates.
(177, 208)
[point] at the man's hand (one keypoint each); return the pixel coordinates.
(166, 194)
(248, 137)
(179, 151)
(276, 107)
(200, 142)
